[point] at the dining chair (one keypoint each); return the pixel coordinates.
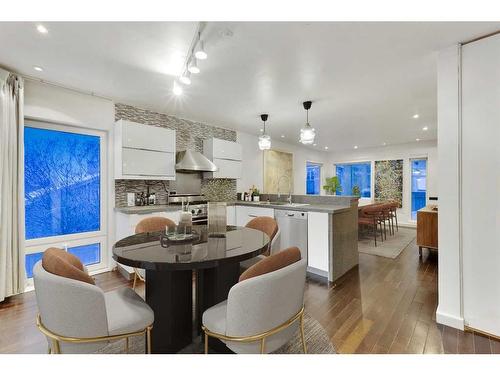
(269, 226)
(371, 215)
(149, 224)
(265, 309)
(76, 316)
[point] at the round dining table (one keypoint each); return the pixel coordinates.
(205, 267)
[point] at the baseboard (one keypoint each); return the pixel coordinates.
(449, 320)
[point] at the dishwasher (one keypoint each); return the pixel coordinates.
(293, 230)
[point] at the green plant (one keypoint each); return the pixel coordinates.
(256, 192)
(355, 191)
(332, 185)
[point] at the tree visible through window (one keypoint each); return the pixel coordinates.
(313, 178)
(355, 179)
(61, 182)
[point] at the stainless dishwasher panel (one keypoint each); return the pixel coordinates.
(293, 229)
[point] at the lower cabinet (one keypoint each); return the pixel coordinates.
(231, 215)
(246, 213)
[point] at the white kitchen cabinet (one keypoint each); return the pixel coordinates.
(231, 215)
(226, 155)
(246, 213)
(318, 243)
(126, 223)
(144, 152)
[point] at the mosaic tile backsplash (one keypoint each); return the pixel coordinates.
(189, 134)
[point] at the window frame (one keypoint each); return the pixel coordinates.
(410, 184)
(76, 239)
(320, 176)
(372, 178)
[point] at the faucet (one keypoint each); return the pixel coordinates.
(289, 199)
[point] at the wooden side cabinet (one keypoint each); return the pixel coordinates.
(427, 228)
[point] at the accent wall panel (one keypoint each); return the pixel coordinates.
(481, 184)
(389, 180)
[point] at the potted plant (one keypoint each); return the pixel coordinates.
(332, 185)
(355, 191)
(256, 195)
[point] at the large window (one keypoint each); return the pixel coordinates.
(355, 179)
(418, 185)
(313, 178)
(64, 196)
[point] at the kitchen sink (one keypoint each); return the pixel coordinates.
(286, 204)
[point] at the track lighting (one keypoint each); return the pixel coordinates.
(193, 67)
(200, 53)
(264, 139)
(177, 89)
(185, 78)
(307, 133)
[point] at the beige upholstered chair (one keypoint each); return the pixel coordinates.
(77, 316)
(150, 224)
(269, 226)
(265, 309)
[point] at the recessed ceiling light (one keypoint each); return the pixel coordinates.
(384, 144)
(425, 128)
(282, 136)
(355, 147)
(418, 139)
(416, 115)
(314, 144)
(326, 147)
(38, 68)
(177, 89)
(261, 130)
(41, 29)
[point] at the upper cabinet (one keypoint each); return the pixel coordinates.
(226, 155)
(144, 152)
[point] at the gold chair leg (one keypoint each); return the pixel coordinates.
(49, 349)
(148, 339)
(302, 333)
(57, 348)
(135, 279)
(126, 345)
(263, 345)
(206, 343)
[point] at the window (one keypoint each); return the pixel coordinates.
(313, 178)
(64, 195)
(418, 185)
(355, 179)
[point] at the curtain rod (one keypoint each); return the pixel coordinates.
(79, 91)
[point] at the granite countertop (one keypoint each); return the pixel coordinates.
(313, 207)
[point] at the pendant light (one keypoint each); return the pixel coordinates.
(307, 133)
(264, 139)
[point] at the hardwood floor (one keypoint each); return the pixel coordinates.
(382, 306)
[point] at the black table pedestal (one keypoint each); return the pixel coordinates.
(170, 295)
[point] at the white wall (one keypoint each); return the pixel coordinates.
(427, 149)
(253, 163)
(449, 311)
(44, 102)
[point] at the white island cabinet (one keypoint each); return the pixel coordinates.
(144, 152)
(226, 155)
(318, 243)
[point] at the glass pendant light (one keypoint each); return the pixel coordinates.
(264, 139)
(307, 133)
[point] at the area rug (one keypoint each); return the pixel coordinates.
(317, 341)
(390, 247)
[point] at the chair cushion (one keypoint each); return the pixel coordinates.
(126, 311)
(214, 318)
(265, 224)
(153, 224)
(272, 263)
(64, 264)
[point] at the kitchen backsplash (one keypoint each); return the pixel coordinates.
(189, 134)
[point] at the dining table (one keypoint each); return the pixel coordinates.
(185, 277)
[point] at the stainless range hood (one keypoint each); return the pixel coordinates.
(193, 161)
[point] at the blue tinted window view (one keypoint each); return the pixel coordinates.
(418, 186)
(313, 178)
(355, 179)
(88, 254)
(30, 261)
(62, 183)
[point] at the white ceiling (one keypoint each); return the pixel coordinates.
(366, 80)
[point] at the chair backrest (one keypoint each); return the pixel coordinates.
(264, 302)
(153, 224)
(70, 308)
(265, 224)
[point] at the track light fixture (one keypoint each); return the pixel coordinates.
(200, 53)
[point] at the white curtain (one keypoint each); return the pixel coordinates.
(12, 273)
